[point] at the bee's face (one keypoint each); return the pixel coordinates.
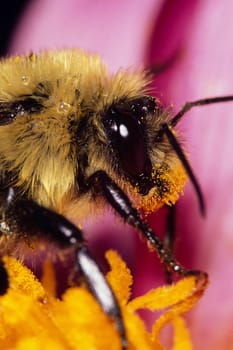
(142, 158)
(65, 118)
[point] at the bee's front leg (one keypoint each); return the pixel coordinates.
(28, 220)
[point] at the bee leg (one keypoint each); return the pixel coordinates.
(26, 216)
(4, 199)
(166, 129)
(4, 282)
(170, 237)
(101, 183)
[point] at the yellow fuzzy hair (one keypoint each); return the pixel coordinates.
(40, 147)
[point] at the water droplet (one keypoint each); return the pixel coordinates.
(64, 107)
(25, 79)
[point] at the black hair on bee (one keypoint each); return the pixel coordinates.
(74, 138)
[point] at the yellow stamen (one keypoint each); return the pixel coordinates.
(32, 318)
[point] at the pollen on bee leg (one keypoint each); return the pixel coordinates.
(168, 186)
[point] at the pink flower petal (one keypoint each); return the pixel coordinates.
(115, 29)
(204, 70)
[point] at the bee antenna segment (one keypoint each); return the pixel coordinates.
(203, 102)
(166, 129)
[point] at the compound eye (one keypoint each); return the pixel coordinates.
(126, 135)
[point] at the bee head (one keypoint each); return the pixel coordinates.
(66, 115)
(142, 157)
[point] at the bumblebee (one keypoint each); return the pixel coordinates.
(73, 139)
